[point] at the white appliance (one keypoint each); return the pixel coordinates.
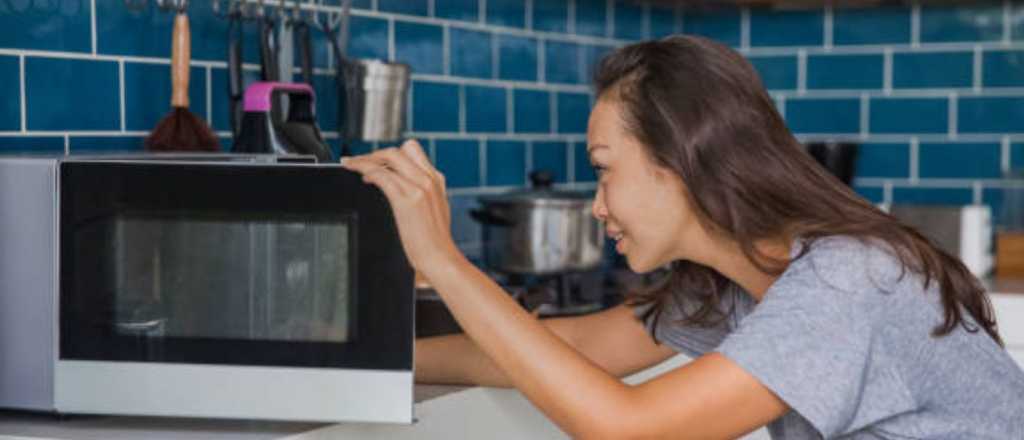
(964, 231)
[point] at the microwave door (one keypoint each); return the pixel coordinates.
(236, 282)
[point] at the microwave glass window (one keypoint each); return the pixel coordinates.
(231, 276)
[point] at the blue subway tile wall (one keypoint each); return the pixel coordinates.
(723, 24)
(485, 109)
(511, 13)
(934, 94)
(10, 93)
(551, 156)
(932, 69)
(884, 25)
(960, 160)
(532, 111)
(889, 115)
(786, 28)
(1003, 68)
(968, 23)
(517, 58)
(471, 53)
(506, 163)
(835, 71)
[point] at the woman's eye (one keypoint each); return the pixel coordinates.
(598, 169)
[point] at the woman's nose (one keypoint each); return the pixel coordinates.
(598, 209)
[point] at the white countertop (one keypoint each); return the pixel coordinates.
(442, 412)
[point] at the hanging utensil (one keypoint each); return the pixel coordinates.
(268, 53)
(181, 130)
(305, 51)
(285, 46)
(236, 84)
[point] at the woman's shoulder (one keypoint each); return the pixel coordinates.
(851, 267)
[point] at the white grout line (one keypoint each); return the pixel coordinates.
(961, 183)
(121, 93)
(915, 153)
(495, 57)
(827, 27)
(92, 24)
(374, 5)
(433, 151)
(529, 14)
(553, 108)
(482, 18)
(431, 8)
(891, 138)
(976, 70)
(409, 108)
(678, 20)
(801, 72)
(865, 121)
(758, 51)
(510, 109)
(1004, 155)
(887, 192)
(446, 50)
(1007, 17)
(541, 60)
(745, 28)
(887, 71)
(570, 162)
(645, 22)
(581, 65)
(529, 160)
(67, 145)
(21, 81)
(1008, 92)
(953, 104)
(781, 103)
(391, 40)
(977, 195)
(570, 16)
(561, 87)
(209, 96)
(462, 109)
(915, 25)
(57, 133)
(482, 163)
(609, 18)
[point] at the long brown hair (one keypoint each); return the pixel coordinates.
(701, 111)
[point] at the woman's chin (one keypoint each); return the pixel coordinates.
(637, 265)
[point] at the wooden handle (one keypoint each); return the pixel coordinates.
(181, 56)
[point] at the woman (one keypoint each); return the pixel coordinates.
(806, 308)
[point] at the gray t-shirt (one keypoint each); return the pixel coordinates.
(847, 344)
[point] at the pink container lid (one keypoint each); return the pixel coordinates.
(257, 96)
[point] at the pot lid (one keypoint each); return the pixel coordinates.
(542, 192)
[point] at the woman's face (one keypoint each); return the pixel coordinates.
(643, 205)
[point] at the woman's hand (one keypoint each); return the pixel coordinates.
(416, 191)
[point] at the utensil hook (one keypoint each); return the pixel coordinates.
(314, 15)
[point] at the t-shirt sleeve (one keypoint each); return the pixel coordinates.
(691, 340)
(809, 343)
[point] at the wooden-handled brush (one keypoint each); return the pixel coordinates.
(181, 130)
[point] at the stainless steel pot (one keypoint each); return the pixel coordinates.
(540, 231)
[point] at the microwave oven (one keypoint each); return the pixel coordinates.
(220, 289)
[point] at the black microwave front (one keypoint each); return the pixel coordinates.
(203, 289)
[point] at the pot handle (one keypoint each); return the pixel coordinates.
(486, 217)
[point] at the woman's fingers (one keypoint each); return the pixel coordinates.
(414, 151)
(394, 160)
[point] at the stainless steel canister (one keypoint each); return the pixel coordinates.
(540, 231)
(375, 102)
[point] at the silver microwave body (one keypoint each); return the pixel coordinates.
(233, 377)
